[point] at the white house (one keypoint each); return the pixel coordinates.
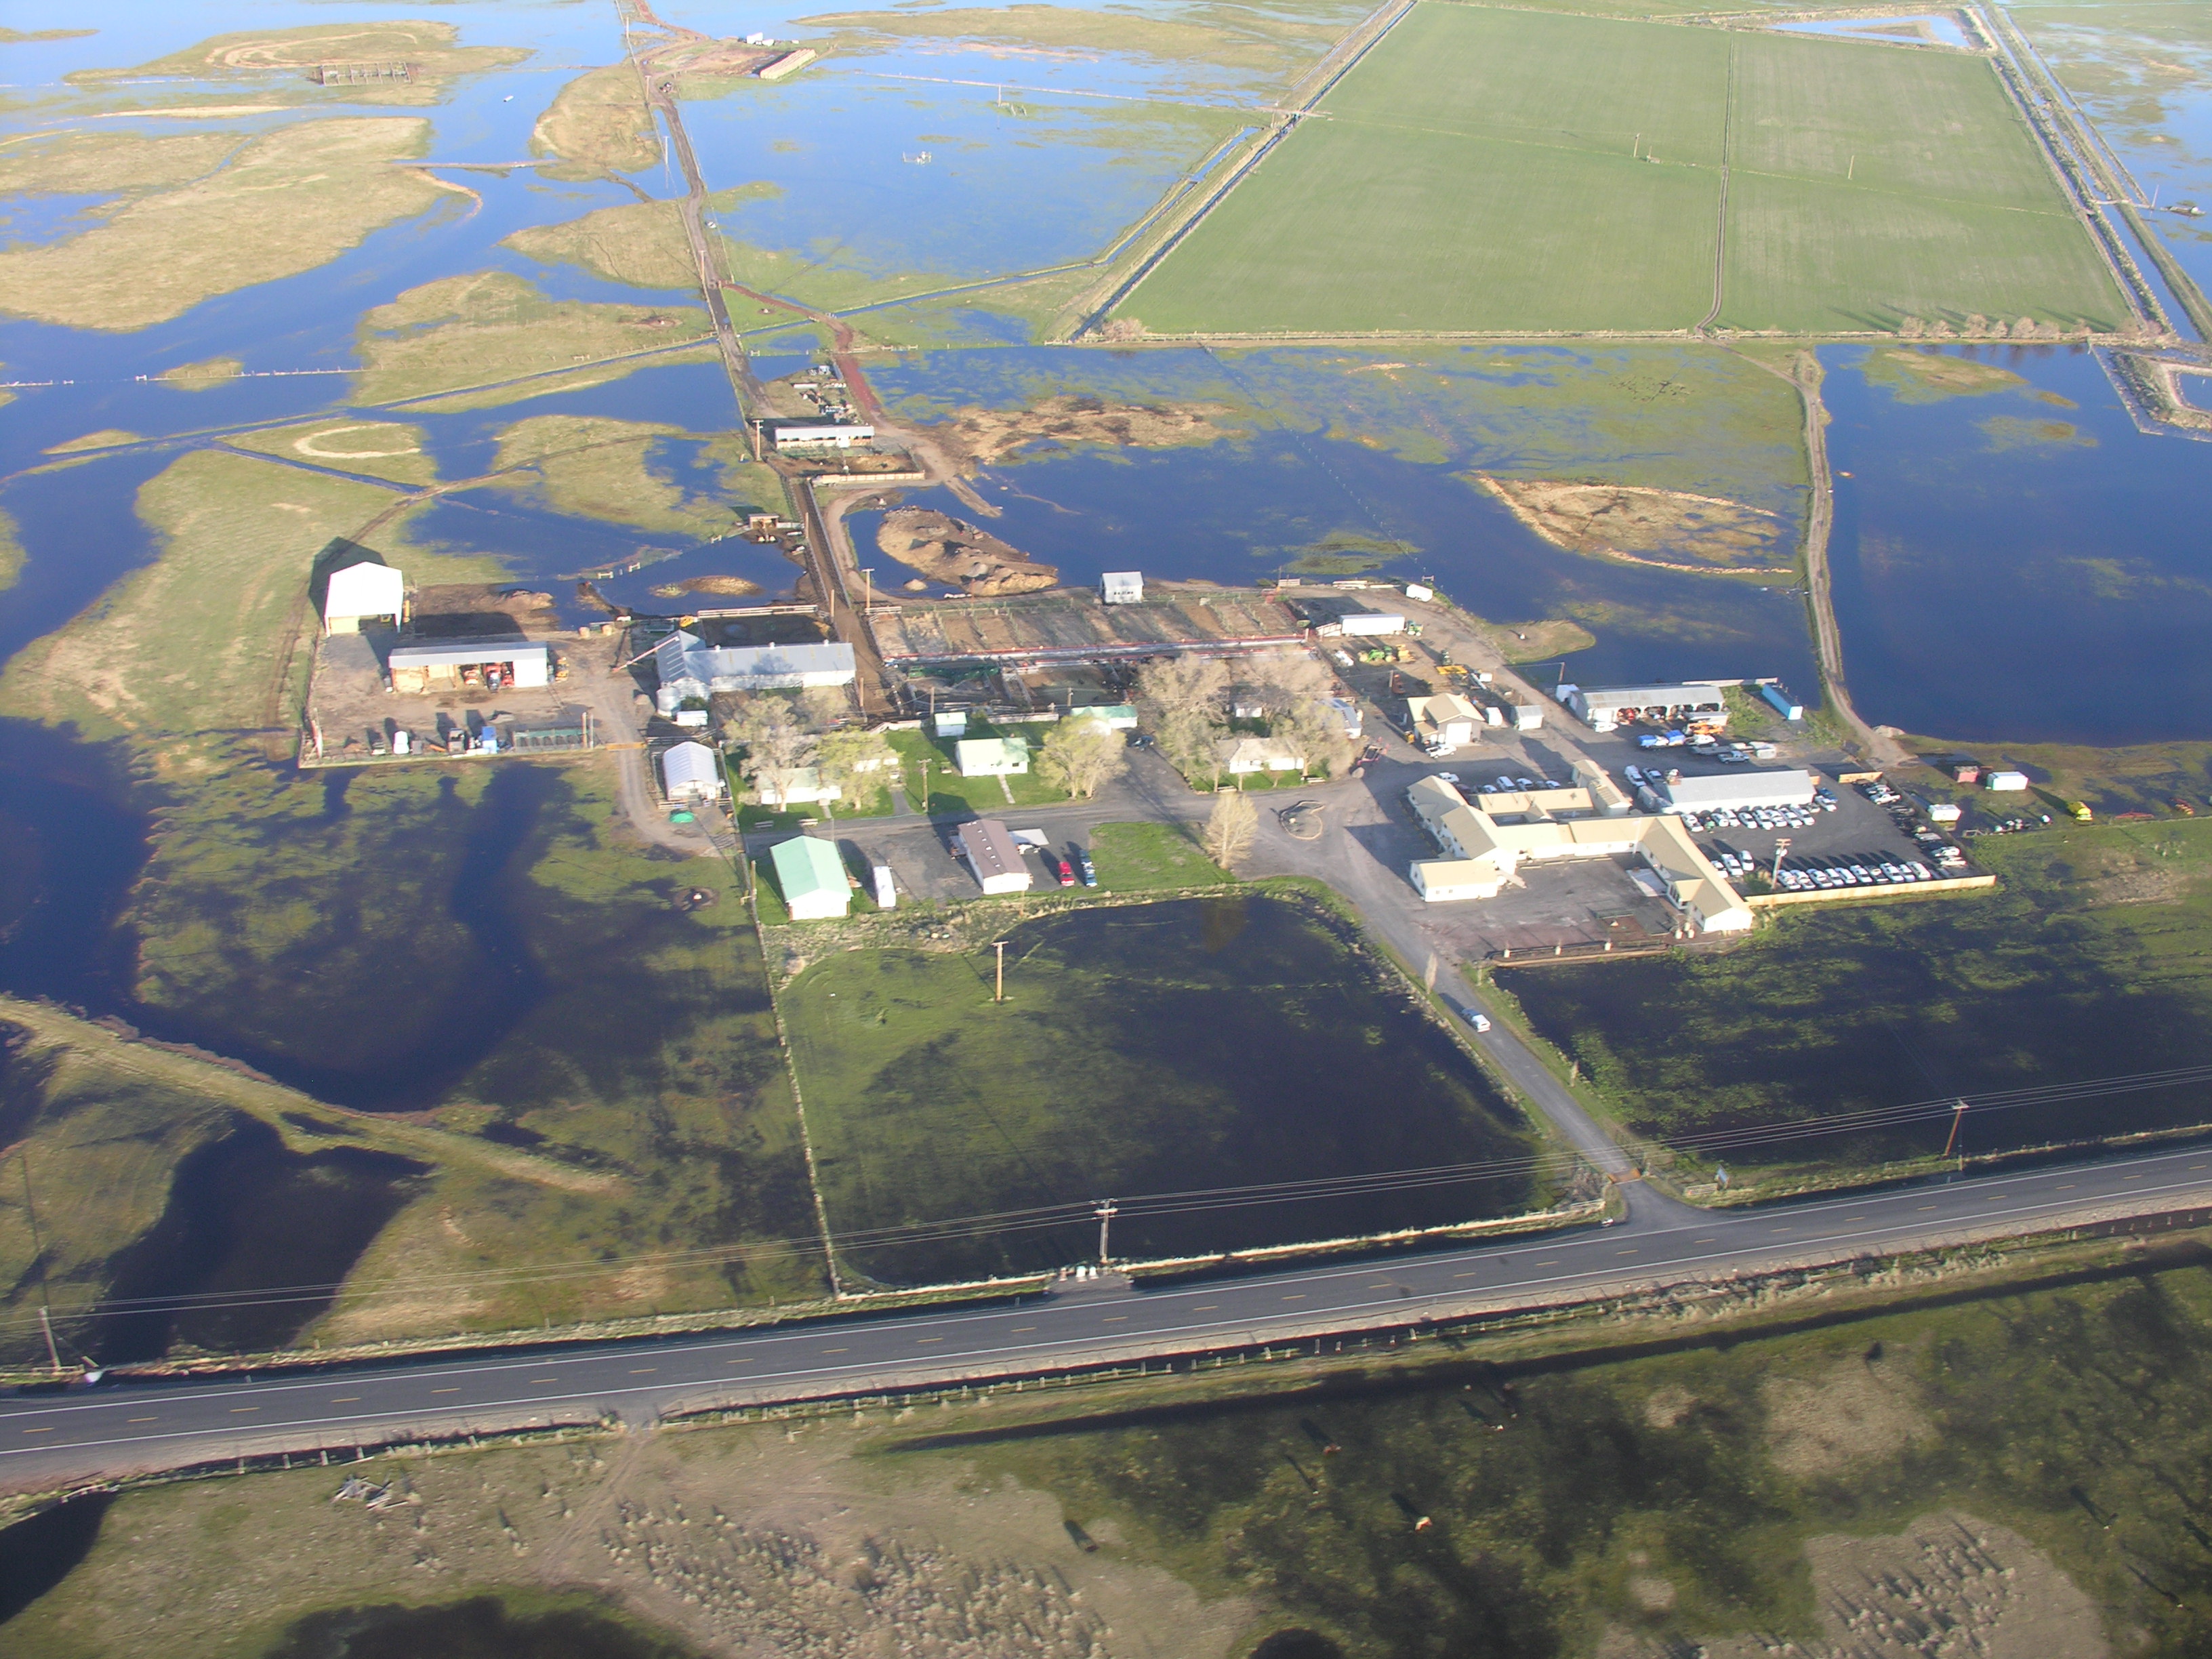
(688, 771)
(370, 594)
(1242, 756)
(802, 785)
(991, 757)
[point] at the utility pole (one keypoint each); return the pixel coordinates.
(1105, 1213)
(1957, 1118)
(38, 1253)
(1001, 995)
(868, 588)
(1781, 846)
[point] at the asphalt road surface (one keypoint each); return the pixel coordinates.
(119, 1427)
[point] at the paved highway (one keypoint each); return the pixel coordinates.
(124, 1427)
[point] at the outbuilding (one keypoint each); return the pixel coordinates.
(1449, 721)
(1122, 587)
(1605, 707)
(688, 771)
(363, 596)
(690, 667)
(2010, 783)
(811, 878)
(991, 853)
(442, 664)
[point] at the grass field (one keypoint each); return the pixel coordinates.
(1495, 169)
(1142, 1048)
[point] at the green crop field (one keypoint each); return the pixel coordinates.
(1491, 169)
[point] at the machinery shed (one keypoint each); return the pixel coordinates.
(438, 665)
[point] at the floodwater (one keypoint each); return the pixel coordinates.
(481, 1628)
(2021, 565)
(244, 1214)
(1906, 25)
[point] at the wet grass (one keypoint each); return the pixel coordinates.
(1145, 1048)
(1671, 1498)
(2087, 962)
(481, 945)
(291, 200)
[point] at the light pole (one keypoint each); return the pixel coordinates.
(999, 995)
(1781, 846)
(868, 588)
(1105, 1213)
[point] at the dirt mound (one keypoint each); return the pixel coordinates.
(1623, 521)
(734, 587)
(989, 434)
(960, 556)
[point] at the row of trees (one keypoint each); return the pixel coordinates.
(784, 736)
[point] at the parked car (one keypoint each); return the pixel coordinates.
(1085, 869)
(1474, 1017)
(1067, 872)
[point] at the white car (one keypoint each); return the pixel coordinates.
(1475, 1017)
(1448, 777)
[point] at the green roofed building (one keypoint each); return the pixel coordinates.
(813, 877)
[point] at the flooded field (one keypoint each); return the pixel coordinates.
(1986, 526)
(1150, 1049)
(2084, 964)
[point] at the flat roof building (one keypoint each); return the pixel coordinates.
(1732, 792)
(821, 434)
(436, 664)
(1485, 854)
(1604, 707)
(811, 878)
(992, 854)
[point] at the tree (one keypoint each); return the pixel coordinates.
(1081, 755)
(776, 744)
(1229, 826)
(1315, 731)
(1182, 685)
(823, 706)
(856, 761)
(1181, 702)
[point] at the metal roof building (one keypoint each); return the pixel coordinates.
(689, 772)
(363, 593)
(689, 667)
(1605, 707)
(812, 879)
(427, 666)
(992, 854)
(1731, 792)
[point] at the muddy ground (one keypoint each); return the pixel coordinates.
(1668, 528)
(945, 550)
(980, 436)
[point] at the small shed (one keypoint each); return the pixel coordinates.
(991, 757)
(2012, 783)
(949, 722)
(811, 878)
(364, 595)
(1122, 587)
(689, 772)
(991, 853)
(1785, 705)
(886, 889)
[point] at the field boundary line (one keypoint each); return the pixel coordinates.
(1237, 172)
(1720, 224)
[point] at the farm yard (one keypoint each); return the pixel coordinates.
(1501, 170)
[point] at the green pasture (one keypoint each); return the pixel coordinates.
(1495, 169)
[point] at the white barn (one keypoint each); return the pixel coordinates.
(364, 594)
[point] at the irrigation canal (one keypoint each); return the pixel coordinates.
(56, 1439)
